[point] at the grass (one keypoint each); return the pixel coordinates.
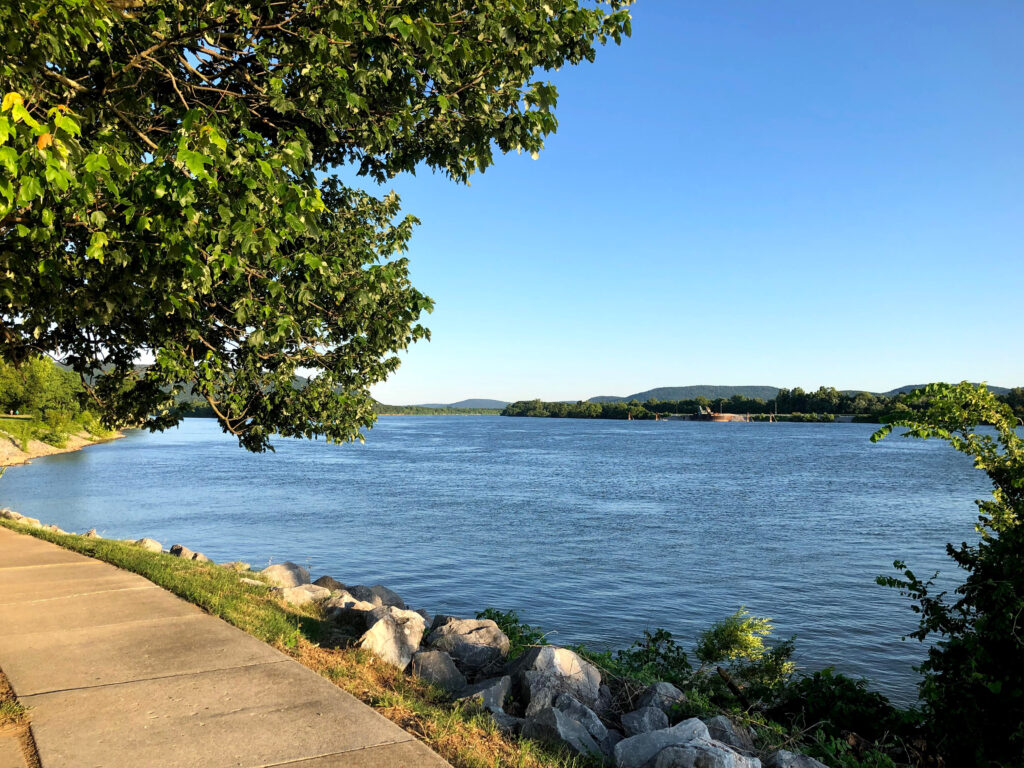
(463, 735)
(12, 713)
(14, 720)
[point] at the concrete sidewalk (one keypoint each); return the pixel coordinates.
(119, 672)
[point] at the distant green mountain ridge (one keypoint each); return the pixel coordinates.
(472, 403)
(762, 392)
(911, 387)
(710, 391)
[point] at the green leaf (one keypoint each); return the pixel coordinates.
(94, 163)
(30, 190)
(19, 113)
(96, 244)
(9, 160)
(196, 162)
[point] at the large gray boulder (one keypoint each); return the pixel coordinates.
(583, 715)
(508, 725)
(544, 672)
(489, 694)
(302, 594)
(179, 550)
(437, 667)
(736, 736)
(21, 519)
(637, 751)
(786, 759)
(332, 584)
(608, 742)
(393, 635)
(150, 545)
(702, 753)
(554, 726)
(345, 607)
(475, 644)
(377, 594)
(286, 574)
(644, 720)
(664, 696)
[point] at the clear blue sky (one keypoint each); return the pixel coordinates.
(791, 193)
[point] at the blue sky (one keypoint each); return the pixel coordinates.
(792, 193)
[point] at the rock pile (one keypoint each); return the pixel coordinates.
(548, 693)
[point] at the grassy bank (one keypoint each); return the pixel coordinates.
(462, 735)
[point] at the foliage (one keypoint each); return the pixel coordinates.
(788, 405)
(835, 703)
(173, 180)
(972, 687)
(520, 636)
(655, 657)
(419, 410)
(737, 642)
(737, 637)
(49, 398)
(838, 753)
(39, 387)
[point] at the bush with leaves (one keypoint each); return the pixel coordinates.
(972, 688)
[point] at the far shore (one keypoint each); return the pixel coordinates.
(11, 453)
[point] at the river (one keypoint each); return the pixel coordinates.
(594, 530)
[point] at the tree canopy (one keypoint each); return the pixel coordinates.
(176, 182)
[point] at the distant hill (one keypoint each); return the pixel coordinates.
(912, 387)
(471, 403)
(710, 391)
(715, 391)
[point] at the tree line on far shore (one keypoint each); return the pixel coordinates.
(823, 404)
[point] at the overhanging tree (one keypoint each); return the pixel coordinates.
(175, 181)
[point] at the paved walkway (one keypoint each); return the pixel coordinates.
(119, 672)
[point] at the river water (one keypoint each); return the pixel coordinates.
(595, 530)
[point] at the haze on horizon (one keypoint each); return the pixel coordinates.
(802, 195)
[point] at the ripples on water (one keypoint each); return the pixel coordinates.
(593, 529)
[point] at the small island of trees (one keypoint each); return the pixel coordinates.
(824, 404)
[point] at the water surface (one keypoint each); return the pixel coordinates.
(595, 530)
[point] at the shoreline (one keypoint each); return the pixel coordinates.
(11, 454)
(511, 696)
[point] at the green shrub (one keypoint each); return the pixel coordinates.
(837, 703)
(655, 657)
(837, 753)
(972, 687)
